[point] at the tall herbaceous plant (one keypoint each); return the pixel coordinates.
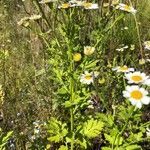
(97, 100)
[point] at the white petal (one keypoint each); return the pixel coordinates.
(131, 69)
(126, 94)
(86, 72)
(145, 100)
(133, 102)
(127, 75)
(121, 4)
(128, 88)
(114, 69)
(143, 75)
(89, 82)
(134, 87)
(144, 92)
(130, 81)
(147, 82)
(139, 104)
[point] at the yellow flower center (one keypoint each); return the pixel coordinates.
(88, 77)
(87, 5)
(127, 8)
(136, 78)
(65, 5)
(77, 57)
(124, 68)
(136, 95)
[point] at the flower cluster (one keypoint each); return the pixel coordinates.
(136, 94)
(87, 77)
(76, 3)
(126, 8)
(88, 50)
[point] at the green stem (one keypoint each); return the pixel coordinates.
(72, 128)
(139, 37)
(71, 109)
(39, 8)
(124, 82)
(138, 32)
(71, 97)
(68, 41)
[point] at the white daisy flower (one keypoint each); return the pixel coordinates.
(88, 50)
(147, 45)
(136, 77)
(126, 8)
(123, 69)
(47, 1)
(87, 5)
(136, 95)
(87, 78)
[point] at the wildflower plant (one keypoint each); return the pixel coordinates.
(75, 61)
(94, 104)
